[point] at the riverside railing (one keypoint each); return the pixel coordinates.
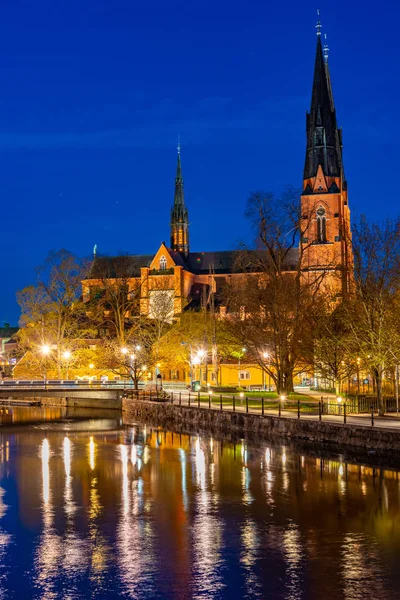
(323, 409)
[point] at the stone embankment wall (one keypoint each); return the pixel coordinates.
(95, 403)
(170, 416)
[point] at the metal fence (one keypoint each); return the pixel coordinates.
(321, 409)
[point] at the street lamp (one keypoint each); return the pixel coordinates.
(241, 353)
(200, 355)
(266, 357)
(195, 362)
(45, 349)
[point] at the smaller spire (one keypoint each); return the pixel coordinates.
(179, 145)
(318, 25)
(95, 251)
(326, 49)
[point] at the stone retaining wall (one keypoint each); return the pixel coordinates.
(170, 416)
(95, 403)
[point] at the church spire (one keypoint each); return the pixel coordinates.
(179, 213)
(323, 136)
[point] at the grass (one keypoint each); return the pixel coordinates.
(254, 399)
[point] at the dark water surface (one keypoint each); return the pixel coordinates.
(89, 509)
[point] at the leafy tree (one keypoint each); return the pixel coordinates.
(51, 312)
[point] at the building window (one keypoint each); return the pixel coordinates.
(163, 263)
(213, 378)
(244, 374)
(321, 225)
(337, 238)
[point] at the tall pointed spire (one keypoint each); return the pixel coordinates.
(326, 243)
(179, 213)
(323, 136)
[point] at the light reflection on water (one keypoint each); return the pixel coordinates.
(141, 513)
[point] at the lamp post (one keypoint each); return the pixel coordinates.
(266, 357)
(67, 356)
(195, 362)
(241, 353)
(200, 354)
(45, 349)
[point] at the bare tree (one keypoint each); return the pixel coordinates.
(273, 305)
(373, 314)
(112, 292)
(333, 352)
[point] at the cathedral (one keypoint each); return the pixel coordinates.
(176, 278)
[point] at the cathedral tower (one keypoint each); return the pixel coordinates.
(179, 215)
(326, 236)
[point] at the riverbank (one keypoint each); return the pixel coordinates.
(261, 428)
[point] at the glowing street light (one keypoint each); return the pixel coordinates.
(124, 350)
(241, 353)
(266, 357)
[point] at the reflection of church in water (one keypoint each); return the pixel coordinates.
(184, 279)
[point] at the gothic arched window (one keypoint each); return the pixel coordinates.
(321, 225)
(163, 263)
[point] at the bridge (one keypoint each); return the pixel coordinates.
(64, 395)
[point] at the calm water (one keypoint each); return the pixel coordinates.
(90, 510)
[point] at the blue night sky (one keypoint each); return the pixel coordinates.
(94, 95)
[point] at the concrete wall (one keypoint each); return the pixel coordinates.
(96, 394)
(171, 416)
(78, 402)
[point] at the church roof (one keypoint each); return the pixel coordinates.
(8, 332)
(227, 261)
(199, 263)
(123, 266)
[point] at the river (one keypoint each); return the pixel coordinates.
(92, 509)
